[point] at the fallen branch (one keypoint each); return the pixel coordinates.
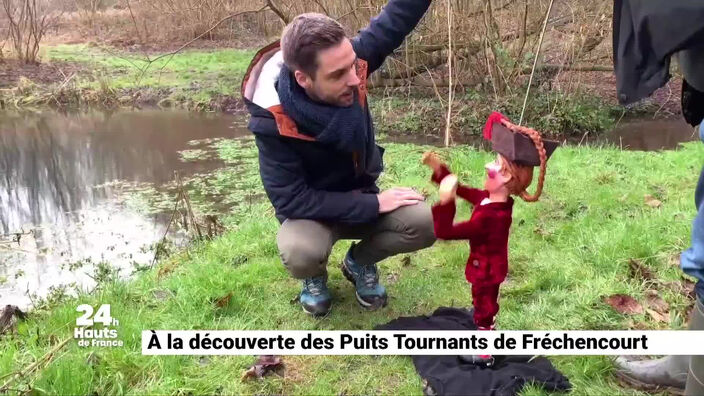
(168, 227)
(577, 68)
(44, 359)
(402, 82)
(190, 214)
(477, 44)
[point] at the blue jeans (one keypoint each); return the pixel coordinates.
(692, 259)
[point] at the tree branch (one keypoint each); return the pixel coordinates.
(171, 54)
(325, 10)
(464, 50)
(404, 82)
(480, 12)
(277, 11)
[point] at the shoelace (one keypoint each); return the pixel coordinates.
(368, 275)
(314, 286)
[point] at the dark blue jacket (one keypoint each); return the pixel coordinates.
(645, 36)
(305, 179)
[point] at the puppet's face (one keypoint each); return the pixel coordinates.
(495, 179)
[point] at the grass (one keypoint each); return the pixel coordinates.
(190, 79)
(567, 252)
(212, 72)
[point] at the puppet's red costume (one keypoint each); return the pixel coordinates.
(520, 149)
(487, 231)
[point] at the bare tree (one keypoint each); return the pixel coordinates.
(28, 22)
(2, 54)
(87, 9)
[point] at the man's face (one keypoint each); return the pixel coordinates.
(336, 77)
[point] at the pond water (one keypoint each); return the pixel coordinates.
(650, 135)
(63, 183)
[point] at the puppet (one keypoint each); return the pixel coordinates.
(519, 151)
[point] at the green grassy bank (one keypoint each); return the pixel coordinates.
(209, 80)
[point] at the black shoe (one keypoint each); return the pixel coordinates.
(692, 104)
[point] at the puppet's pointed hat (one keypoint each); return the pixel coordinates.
(521, 145)
(513, 142)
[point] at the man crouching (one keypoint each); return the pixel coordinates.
(317, 153)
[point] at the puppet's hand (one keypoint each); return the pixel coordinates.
(432, 160)
(448, 188)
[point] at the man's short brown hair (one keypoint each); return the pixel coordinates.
(307, 35)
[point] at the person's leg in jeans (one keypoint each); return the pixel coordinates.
(692, 259)
(304, 247)
(407, 229)
(672, 371)
(692, 66)
(692, 263)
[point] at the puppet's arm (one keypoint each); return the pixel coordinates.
(441, 170)
(444, 213)
(443, 217)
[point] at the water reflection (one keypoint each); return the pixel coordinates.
(58, 192)
(650, 135)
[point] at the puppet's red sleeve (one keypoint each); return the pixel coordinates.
(473, 195)
(443, 218)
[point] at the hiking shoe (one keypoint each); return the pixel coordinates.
(365, 278)
(315, 297)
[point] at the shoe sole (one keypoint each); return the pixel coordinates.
(316, 315)
(637, 384)
(379, 303)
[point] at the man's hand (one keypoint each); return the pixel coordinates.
(397, 197)
(432, 160)
(448, 189)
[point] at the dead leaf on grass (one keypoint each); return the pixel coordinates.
(656, 302)
(652, 202)
(264, 365)
(638, 270)
(658, 317)
(624, 304)
(223, 301)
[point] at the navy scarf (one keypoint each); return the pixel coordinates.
(342, 127)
